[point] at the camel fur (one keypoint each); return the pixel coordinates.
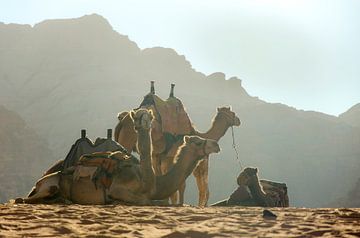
(255, 192)
(165, 149)
(131, 183)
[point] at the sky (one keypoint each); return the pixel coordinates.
(303, 53)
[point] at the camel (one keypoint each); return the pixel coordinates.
(223, 120)
(255, 192)
(132, 183)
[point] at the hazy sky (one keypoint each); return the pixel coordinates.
(304, 53)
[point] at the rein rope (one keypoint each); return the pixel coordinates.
(235, 149)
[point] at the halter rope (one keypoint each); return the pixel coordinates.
(234, 146)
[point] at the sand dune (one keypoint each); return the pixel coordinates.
(22, 220)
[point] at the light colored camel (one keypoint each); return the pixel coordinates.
(134, 183)
(224, 119)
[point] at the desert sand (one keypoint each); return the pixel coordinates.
(24, 220)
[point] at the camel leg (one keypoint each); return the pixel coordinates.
(182, 193)
(203, 191)
(202, 181)
(174, 198)
(166, 165)
(40, 196)
(160, 168)
(47, 186)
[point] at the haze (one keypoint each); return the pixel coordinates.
(302, 53)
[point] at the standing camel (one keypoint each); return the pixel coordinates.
(164, 150)
(224, 119)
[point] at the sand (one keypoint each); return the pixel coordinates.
(23, 220)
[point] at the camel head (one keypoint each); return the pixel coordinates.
(233, 119)
(142, 119)
(201, 146)
(247, 176)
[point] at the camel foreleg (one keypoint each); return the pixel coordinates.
(201, 173)
(182, 193)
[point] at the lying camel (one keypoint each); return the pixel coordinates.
(255, 192)
(126, 136)
(132, 183)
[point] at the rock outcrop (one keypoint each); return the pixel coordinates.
(65, 75)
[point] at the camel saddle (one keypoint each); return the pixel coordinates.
(99, 166)
(277, 191)
(171, 112)
(84, 146)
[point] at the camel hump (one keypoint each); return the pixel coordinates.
(175, 119)
(173, 116)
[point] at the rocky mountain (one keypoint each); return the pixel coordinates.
(352, 116)
(23, 158)
(65, 75)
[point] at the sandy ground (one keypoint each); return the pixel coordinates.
(22, 220)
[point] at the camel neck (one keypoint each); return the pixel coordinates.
(144, 144)
(169, 183)
(218, 128)
(145, 147)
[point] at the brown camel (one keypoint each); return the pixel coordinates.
(249, 177)
(164, 158)
(133, 183)
(255, 192)
(224, 119)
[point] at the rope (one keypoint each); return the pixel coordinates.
(235, 149)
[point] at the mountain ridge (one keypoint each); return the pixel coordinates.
(66, 82)
(352, 115)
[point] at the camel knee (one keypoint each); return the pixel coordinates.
(19, 200)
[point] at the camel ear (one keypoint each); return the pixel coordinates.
(229, 108)
(132, 114)
(186, 139)
(151, 115)
(256, 170)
